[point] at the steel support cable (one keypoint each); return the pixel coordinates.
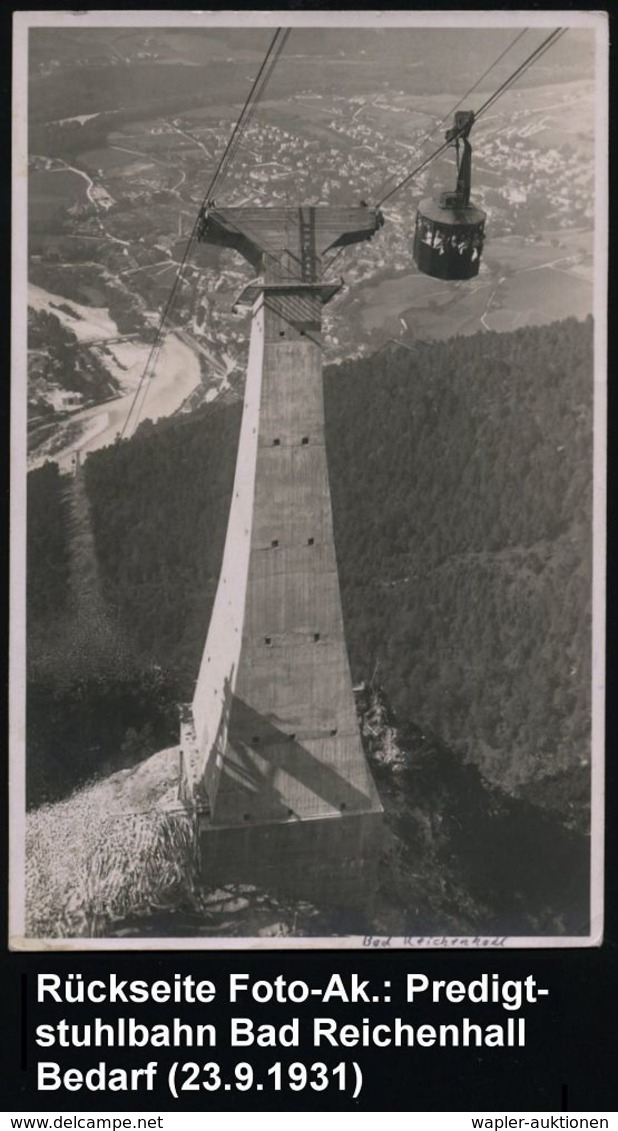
(250, 108)
(157, 344)
(447, 117)
(277, 43)
(248, 112)
(550, 41)
(340, 251)
(532, 58)
(257, 92)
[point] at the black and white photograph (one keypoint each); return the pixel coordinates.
(308, 480)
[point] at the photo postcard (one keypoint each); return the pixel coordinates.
(308, 480)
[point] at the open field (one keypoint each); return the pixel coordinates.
(107, 160)
(521, 283)
(187, 47)
(541, 295)
(48, 192)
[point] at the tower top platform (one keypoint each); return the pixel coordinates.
(287, 243)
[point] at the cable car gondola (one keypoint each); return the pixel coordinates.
(449, 232)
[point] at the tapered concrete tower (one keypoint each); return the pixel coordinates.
(271, 745)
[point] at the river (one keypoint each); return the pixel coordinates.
(176, 375)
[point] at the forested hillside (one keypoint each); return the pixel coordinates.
(47, 550)
(461, 481)
(94, 703)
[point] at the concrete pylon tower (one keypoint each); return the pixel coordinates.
(271, 743)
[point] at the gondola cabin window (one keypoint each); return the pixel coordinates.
(448, 242)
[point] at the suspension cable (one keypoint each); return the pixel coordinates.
(258, 87)
(448, 116)
(260, 83)
(532, 58)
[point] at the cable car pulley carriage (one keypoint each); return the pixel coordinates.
(449, 232)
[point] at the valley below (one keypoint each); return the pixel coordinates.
(113, 193)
